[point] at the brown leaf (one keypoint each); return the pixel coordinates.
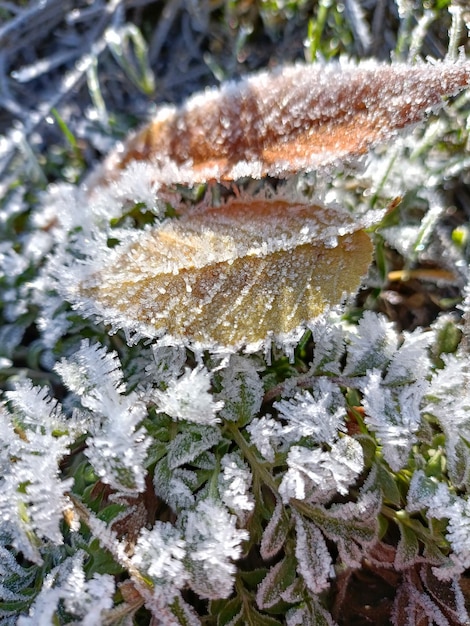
(276, 123)
(233, 275)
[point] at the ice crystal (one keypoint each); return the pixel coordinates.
(316, 474)
(393, 413)
(117, 447)
(234, 485)
(188, 398)
(213, 543)
(159, 554)
(318, 415)
(35, 438)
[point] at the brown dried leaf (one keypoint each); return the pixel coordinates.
(233, 275)
(276, 123)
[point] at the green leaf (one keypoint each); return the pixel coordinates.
(275, 532)
(191, 443)
(277, 580)
(407, 549)
(185, 613)
(388, 485)
(225, 610)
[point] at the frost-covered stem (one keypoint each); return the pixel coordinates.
(305, 382)
(255, 465)
(404, 518)
(120, 612)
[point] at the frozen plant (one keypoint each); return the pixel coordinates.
(202, 420)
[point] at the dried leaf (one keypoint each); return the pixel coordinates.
(231, 276)
(276, 123)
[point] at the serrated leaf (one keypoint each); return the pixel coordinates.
(277, 580)
(295, 118)
(275, 532)
(190, 443)
(226, 610)
(313, 557)
(184, 613)
(353, 526)
(388, 485)
(311, 614)
(232, 275)
(407, 549)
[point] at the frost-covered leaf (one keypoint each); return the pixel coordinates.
(267, 434)
(411, 361)
(449, 402)
(176, 486)
(393, 413)
(213, 543)
(316, 475)
(190, 443)
(275, 533)
(159, 554)
(423, 598)
(298, 117)
(314, 562)
(235, 485)
(167, 364)
(277, 580)
(372, 345)
(182, 612)
(328, 336)
(311, 614)
(188, 398)
(242, 390)
(412, 606)
(82, 598)
(408, 547)
(93, 373)
(34, 439)
(117, 445)
(319, 415)
(447, 595)
(227, 276)
(353, 526)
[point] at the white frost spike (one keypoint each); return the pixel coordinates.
(213, 542)
(318, 415)
(189, 398)
(393, 413)
(316, 475)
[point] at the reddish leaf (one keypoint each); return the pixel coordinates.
(299, 117)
